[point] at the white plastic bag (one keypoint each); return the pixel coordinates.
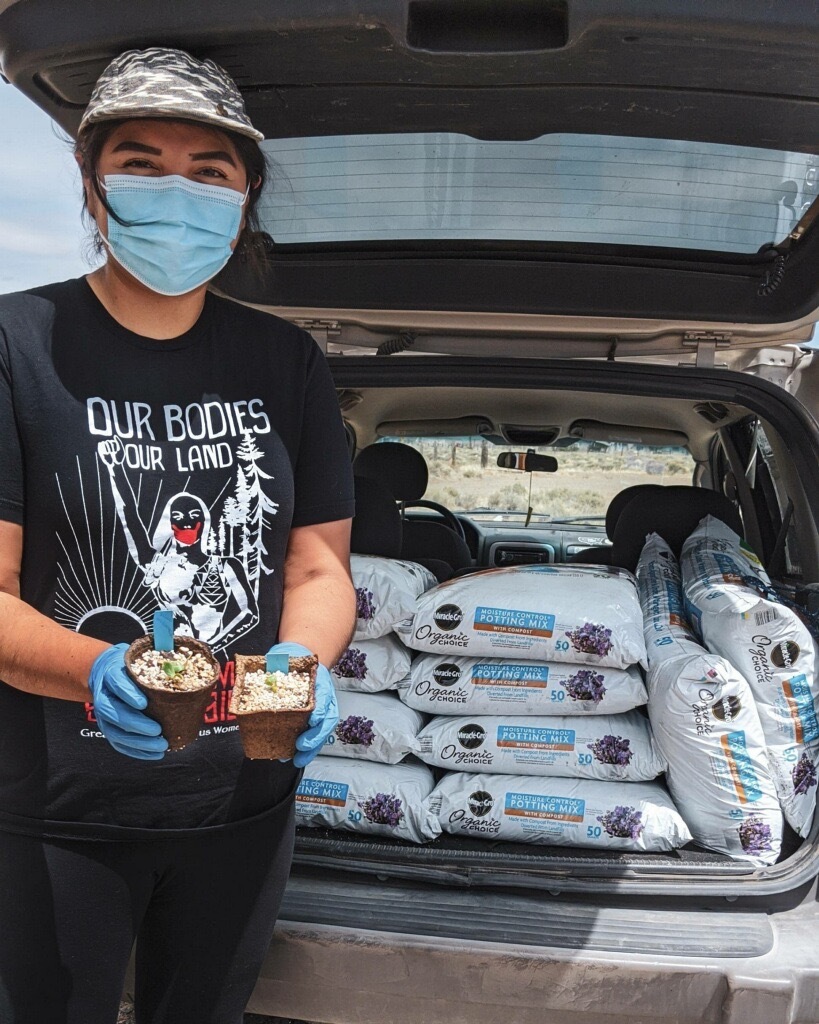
(706, 725)
(373, 727)
(440, 684)
(378, 799)
(386, 590)
(731, 603)
(369, 666)
(608, 747)
(559, 812)
(586, 615)
(666, 630)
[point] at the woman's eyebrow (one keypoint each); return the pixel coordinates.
(214, 154)
(137, 147)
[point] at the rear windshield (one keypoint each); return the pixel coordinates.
(558, 188)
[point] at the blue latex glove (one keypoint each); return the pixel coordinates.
(325, 716)
(118, 704)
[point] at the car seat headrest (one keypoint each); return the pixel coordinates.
(673, 513)
(377, 527)
(401, 468)
(619, 502)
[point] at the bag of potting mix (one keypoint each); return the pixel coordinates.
(359, 796)
(733, 606)
(373, 727)
(609, 747)
(666, 630)
(442, 684)
(559, 812)
(706, 725)
(368, 666)
(586, 615)
(386, 590)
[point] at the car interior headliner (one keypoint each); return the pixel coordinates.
(379, 406)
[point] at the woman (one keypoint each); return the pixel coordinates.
(160, 447)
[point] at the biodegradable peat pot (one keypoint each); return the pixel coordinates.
(267, 729)
(178, 706)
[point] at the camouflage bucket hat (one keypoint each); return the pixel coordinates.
(160, 82)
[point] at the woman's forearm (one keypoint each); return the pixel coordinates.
(318, 609)
(319, 612)
(40, 657)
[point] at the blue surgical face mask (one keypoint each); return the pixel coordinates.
(177, 233)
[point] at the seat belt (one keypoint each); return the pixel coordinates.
(776, 565)
(746, 501)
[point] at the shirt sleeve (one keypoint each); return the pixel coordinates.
(11, 454)
(323, 475)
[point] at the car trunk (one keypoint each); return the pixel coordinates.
(452, 861)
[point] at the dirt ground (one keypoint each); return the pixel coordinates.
(126, 1016)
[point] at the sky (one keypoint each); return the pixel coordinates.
(41, 234)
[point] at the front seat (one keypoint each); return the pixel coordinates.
(403, 470)
(602, 555)
(378, 529)
(672, 512)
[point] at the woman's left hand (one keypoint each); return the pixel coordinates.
(325, 714)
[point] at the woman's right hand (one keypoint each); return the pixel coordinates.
(118, 706)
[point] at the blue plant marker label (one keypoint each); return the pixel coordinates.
(163, 631)
(277, 662)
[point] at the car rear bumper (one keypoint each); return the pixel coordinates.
(345, 973)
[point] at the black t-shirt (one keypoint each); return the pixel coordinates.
(154, 474)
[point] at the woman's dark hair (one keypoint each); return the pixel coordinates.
(250, 248)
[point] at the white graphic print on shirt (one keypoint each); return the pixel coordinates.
(202, 561)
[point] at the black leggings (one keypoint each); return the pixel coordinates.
(201, 909)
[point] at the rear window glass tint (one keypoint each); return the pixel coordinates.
(558, 188)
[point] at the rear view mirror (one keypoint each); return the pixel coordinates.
(528, 462)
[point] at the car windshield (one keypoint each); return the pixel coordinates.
(465, 477)
(557, 188)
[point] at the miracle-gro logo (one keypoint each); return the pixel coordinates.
(448, 616)
(446, 674)
(784, 654)
(480, 803)
(726, 709)
(471, 736)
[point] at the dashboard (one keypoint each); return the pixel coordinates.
(511, 543)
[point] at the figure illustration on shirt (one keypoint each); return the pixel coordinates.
(211, 594)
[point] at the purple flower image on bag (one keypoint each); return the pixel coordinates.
(383, 809)
(352, 664)
(591, 638)
(356, 730)
(622, 822)
(364, 607)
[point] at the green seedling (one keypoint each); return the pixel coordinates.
(172, 668)
(270, 680)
